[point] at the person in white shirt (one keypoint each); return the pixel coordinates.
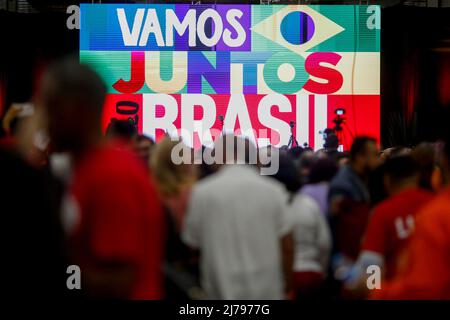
(312, 246)
(238, 220)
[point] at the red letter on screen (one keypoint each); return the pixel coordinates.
(137, 75)
(333, 76)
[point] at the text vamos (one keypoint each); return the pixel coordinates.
(205, 27)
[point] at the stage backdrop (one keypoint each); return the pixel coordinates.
(199, 70)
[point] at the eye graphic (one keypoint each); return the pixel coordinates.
(300, 28)
(297, 28)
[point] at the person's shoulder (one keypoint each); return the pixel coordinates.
(435, 216)
(384, 209)
(444, 196)
(438, 205)
(208, 184)
(406, 202)
(394, 205)
(302, 201)
(424, 195)
(340, 185)
(270, 186)
(341, 179)
(117, 154)
(108, 163)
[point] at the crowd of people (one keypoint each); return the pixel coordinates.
(362, 224)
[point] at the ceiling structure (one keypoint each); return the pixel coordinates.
(33, 6)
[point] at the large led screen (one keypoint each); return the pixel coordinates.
(264, 71)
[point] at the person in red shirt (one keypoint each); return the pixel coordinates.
(427, 276)
(112, 213)
(392, 221)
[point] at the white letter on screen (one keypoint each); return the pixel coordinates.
(373, 21)
(203, 126)
(302, 118)
(172, 23)
(130, 38)
(151, 25)
(218, 27)
(241, 35)
(266, 118)
(149, 120)
(237, 109)
(320, 119)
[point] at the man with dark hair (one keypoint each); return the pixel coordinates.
(111, 213)
(392, 221)
(287, 173)
(349, 199)
(427, 275)
(361, 147)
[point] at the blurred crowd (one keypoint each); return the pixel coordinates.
(362, 224)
